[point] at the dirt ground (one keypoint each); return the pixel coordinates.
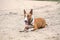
(12, 21)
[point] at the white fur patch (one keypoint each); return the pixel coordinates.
(25, 18)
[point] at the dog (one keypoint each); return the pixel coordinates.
(36, 23)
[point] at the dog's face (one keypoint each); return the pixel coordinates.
(27, 16)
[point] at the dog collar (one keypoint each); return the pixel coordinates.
(30, 22)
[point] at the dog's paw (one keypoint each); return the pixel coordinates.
(21, 31)
(33, 30)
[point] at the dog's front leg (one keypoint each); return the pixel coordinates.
(34, 27)
(26, 28)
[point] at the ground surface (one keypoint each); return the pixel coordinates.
(12, 23)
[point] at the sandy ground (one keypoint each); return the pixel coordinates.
(12, 21)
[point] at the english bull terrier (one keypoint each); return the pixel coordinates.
(31, 22)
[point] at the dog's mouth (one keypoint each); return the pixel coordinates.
(26, 22)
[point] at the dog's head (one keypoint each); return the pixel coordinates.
(28, 16)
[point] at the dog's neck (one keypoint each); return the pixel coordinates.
(31, 22)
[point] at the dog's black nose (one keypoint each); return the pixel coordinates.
(25, 21)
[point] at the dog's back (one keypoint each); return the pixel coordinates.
(39, 23)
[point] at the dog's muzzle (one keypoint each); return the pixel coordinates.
(26, 22)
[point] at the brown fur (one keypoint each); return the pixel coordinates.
(39, 23)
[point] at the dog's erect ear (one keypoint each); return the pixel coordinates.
(24, 11)
(31, 12)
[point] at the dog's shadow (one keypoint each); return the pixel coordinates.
(31, 30)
